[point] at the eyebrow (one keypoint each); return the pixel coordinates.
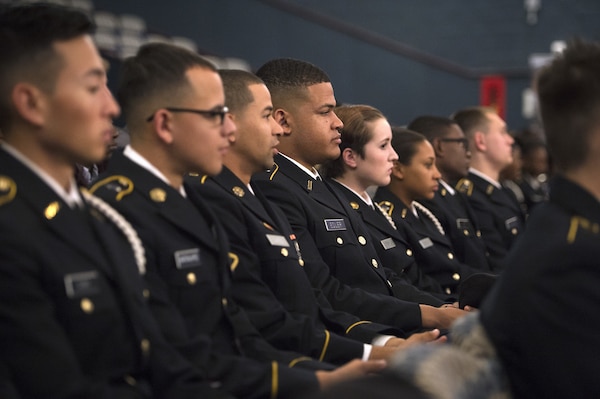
(95, 72)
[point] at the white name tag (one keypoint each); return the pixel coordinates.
(82, 284)
(277, 240)
(426, 242)
(388, 243)
(335, 224)
(187, 258)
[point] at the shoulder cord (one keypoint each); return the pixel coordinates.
(384, 213)
(115, 217)
(431, 216)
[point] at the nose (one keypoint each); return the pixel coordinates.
(112, 107)
(228, 127)
(337, 123)
(394, 155)
(436, 173)
(276, 129)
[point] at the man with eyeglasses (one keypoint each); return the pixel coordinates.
(452, 159)
(173, 101)
(497, 211)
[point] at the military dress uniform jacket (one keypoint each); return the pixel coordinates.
(73, 318)
(189, 280)
(331, 250)
(498, 214)
(433, 251)
(461, 227)
(542, 315)
(393, 249)
(269, 273)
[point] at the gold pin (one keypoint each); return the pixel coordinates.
(238, 191)
(309, 185)
(268, 226)
(158, 195)
(51, 210)
(191, 278)
(403, 213)
(87, 306)
(354, 205)
(489, 190)
(284, 252)
(443, 192)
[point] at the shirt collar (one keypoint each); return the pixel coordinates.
(447, 187)
(312, 173)
(485, 177)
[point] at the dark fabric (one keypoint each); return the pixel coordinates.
(542, 313)
(269, 281)
(331, 251)
(73, 319)
(190, 283)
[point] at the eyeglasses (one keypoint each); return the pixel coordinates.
(464, 141)
(209, 114)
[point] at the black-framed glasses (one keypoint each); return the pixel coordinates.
(464, 141)
(210, 114)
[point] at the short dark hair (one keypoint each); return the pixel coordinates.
(431, 126)
(355, 134)
(472, 119)
(405, 142)
(288, 78)
(569, 98)
(27, 35)
(156, 73)
(237, 93)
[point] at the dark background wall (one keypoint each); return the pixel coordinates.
(362, 44)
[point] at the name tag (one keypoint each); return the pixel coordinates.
(426, 242)
(388, 243)
(82, 284)
(186, 258)
(335, 224)
(463, 224)
(511, 223)
(277, 240)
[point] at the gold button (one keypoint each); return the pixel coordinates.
(362, 240)
(448, 291)
(450, 255)
(301, 262)
(374, 263)
(339, 240)
(146, 293)
(284, 251)
(478, 234)
(145, 345)
(408, 251)
(191, 278)
(130, 380)
(87, 306)
(466, 232)
(224, 302)
(456, 276)
(514, 231)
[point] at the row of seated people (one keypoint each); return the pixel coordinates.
(265, 283)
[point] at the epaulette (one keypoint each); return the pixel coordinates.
(8, 189)
(465, 186)
(120, 185)
(578, 222)
(387, 206)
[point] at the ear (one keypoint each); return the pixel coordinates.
(349, 157)
(438, 148)
(162, 125)
(231, 137)
(398, 171)
(30, 103)
(282, 117)
(479, 141)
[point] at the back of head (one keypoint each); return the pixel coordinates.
(431, 126)
(156, 77)
(356, 133)
(288, 78)
(27, 35)
(405, 142)
(235, 84)
(472, 119)
(569, 98)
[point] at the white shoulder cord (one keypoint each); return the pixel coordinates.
(431, 216)
(111, 214)
(384, 213)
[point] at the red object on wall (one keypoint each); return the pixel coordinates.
(493, 93)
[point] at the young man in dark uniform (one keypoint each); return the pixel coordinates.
(74, 322)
